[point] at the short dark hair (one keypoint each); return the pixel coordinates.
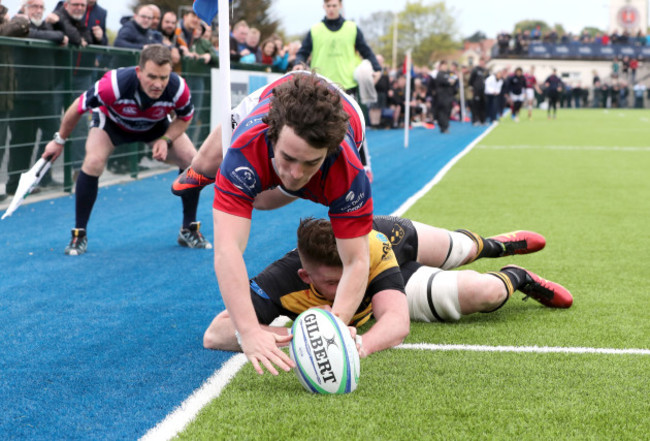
(316, 243)
(311, 107)
(157, 53)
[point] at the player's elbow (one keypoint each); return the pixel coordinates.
(220, 335)
(402, 329)
(210, 341)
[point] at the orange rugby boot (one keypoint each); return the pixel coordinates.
(547, 293)
(189, 181)
(520, 242)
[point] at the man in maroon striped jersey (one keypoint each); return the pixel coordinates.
(132, 105)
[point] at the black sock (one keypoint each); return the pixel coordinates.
(85, 196)
(485, 247)
(491, 248)
(516, 278)
(190, 205)
(512, 278)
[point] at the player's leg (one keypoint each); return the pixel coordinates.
(437, 295)
(207, 161)
(446, 249)
(190, 235)
(98, 148)
(546, 292)
(204, 165)
(434, 294)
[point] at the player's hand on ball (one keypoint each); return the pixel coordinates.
(261, 348)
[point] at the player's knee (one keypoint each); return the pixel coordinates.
(94, 165)
(461, 249)
(432, 295)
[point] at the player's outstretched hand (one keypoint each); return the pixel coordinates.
(261, 348)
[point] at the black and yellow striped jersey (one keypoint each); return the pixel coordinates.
(278, 290)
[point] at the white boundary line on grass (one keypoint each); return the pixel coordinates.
(176, 421)
(443, 171)
(535, 349)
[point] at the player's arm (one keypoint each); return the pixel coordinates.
(70, 120)
(392, 325)
(272, 199)
(230, 237)
(160, 146)
(221, 334)
(355, 256)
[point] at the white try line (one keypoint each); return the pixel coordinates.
(176, 421)
(568, 147)
(534, 349)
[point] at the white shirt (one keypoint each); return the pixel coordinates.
(493, 85)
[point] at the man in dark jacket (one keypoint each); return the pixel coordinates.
(477, 84)
(71, 22)
(136, 33)
(445, 91)
(516, 88)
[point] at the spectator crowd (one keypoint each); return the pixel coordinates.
(437, 95)
(518, 42)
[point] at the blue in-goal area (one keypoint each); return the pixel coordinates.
(105, 345)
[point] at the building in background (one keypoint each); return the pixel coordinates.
(629, 16)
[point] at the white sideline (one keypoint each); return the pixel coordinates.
(176, 421)
(443, 171)
(536, 349)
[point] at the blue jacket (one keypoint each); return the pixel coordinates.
(131, 35)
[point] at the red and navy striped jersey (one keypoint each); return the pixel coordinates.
(118, 95)
(341, 183)
(531, 81)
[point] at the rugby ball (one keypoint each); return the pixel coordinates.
(326, 356)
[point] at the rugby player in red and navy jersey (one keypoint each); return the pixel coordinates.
(300, 140)
(132, 105)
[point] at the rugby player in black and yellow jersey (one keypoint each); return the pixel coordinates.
(409, 279)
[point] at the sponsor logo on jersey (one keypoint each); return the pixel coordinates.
(396, 234)
(159, 113)
(353, 201)
(130, 110)
(243, 178)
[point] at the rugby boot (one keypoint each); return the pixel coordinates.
(192, 238)
(520, 242)
(78, 243)
(189, 181)
(547, 293)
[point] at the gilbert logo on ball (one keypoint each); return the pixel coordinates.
(326, 357)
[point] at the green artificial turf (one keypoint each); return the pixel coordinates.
(581, 180)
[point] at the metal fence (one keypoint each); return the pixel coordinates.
(39, 80)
